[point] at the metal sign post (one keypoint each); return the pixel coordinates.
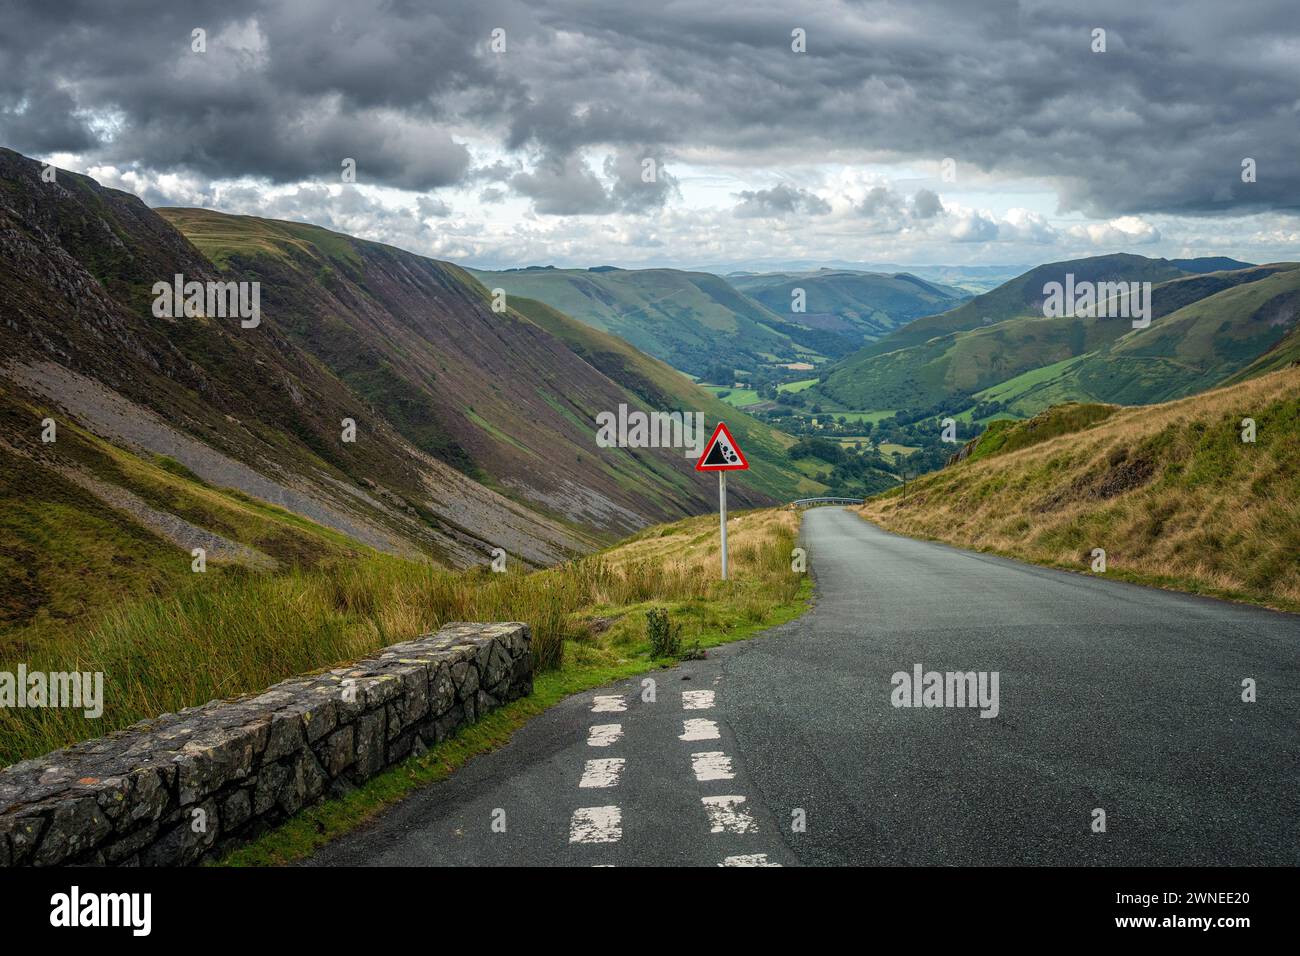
(722, 512)
(722, 454)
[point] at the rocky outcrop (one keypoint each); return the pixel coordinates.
(183, 787)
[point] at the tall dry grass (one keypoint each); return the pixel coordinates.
(240, 635)
(1169, 491)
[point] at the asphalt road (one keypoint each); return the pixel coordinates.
(1110, 696)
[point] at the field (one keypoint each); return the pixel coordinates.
(735, 397)
(797, 386)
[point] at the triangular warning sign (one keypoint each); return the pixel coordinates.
(721, 453)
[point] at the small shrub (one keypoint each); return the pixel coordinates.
(665, 636)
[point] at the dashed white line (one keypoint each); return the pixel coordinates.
(697, 728)
(711, 765)
(726, 815)
(596, 825)
(609, 704)
(602, 735)
(697, 699)
(748, 859)
(602, 773)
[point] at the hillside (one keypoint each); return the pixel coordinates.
(1169, 491)
(691, 320)
(1204, 328)
(418, 341)
(1023, 296)
(849, 308)
(474, 430)
(659, 386)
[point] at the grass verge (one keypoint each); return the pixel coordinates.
(1172, 493)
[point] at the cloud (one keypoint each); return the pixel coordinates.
(1154, 128)
(640, 180)
(780, 200)
(926, 204)
(564, 187)
(1122, 232)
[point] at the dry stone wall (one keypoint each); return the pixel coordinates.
(186, 786)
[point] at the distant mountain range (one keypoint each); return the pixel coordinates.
(696, 320)
(1208, 325)
(849, 308)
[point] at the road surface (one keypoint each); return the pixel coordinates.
(786, 749)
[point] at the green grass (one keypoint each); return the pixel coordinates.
(318, 825)
(735, 397)
(797, 386)
(216, 636)
(893, 451)
(1004, 436)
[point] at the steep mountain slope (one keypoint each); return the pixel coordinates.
(1170, 492)
(474, 430)
(691, 320)
(418, 340)
(849, 308)
(1204, 328)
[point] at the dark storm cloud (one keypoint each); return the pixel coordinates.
(780, 200)
(926, 204)
(1160, 122)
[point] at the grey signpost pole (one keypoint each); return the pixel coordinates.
(722, 509)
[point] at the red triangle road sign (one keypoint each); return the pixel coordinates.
(721, 453)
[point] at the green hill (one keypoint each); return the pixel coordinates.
(1023, 296)
(1204, 329)
(691, 320)
(849, 308)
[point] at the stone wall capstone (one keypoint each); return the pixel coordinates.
(187, 786)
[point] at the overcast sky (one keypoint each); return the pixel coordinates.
(538, 153)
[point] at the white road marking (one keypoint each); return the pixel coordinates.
(697, 699)
(609, 704)
(726, 815)
(602, 735)
(748, 859)
(602, 773)
(697, 728)
(596, 825)
(711, 765)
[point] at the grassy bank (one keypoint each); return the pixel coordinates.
(238, 634)
(1170, 491)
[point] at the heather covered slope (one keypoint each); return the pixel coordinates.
(1170, 492)
(496, 394)
(475, 430)
(239, 408)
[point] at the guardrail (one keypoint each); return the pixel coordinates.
(814, 502)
